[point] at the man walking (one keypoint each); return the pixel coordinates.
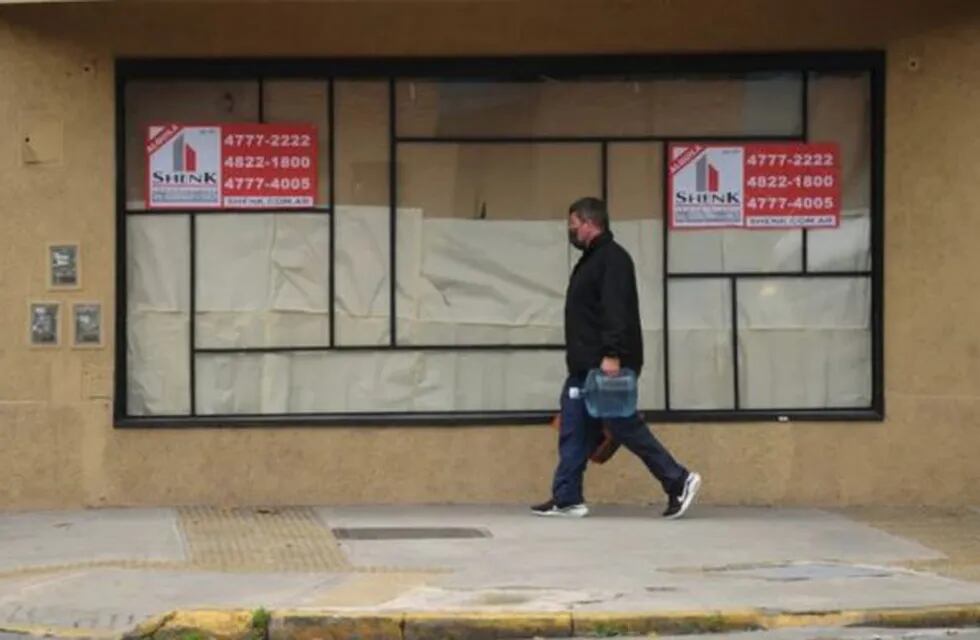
(602, 330)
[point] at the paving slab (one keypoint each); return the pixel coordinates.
(68, 537)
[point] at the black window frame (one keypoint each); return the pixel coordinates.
(514, 69)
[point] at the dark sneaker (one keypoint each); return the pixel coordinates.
(679, 503)
(551, 509)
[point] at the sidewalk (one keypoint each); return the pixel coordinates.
(102, 573)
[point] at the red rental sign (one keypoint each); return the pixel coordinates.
(755, 186)
(231, 166)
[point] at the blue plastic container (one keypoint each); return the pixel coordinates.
(609, 396)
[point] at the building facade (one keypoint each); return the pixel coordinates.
(296, 253)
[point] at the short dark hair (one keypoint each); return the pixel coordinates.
(591, 209)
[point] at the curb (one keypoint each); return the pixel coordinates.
(470, 625)
(71, 633)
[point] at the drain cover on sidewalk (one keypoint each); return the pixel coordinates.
(409, 533)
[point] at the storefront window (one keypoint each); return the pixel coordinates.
(426, 279)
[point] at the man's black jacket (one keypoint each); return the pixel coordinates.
(602, 315)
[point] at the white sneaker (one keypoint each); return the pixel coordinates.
(678, 505)
(551, 510)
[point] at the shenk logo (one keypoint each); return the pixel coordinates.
(706, 182)
(706, 187)
(728, 197)
(184, 166)
(206, 178)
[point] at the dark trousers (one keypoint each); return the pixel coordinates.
(581, 433)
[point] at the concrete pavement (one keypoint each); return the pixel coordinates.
(101, 573)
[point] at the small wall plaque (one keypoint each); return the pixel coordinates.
(64, 266)
(44, 328)
(86, 324)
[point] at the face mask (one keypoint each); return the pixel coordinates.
(573, 239)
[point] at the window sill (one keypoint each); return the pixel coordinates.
(483, 419)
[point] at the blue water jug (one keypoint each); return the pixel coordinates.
(609, 396)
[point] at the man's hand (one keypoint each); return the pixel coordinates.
(610, 366)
